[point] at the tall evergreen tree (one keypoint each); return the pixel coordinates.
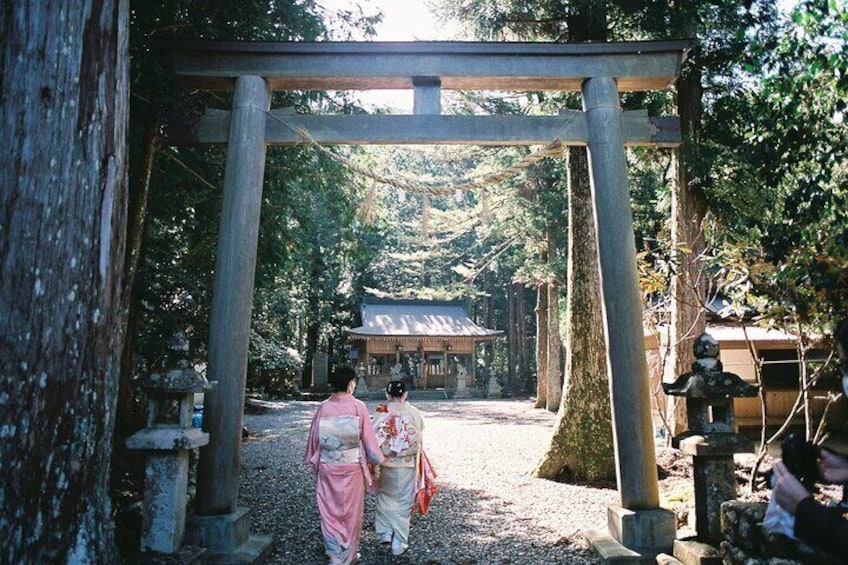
(62, 215)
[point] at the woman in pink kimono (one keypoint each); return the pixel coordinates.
(341, 444)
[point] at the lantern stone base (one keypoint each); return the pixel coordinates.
(227, 537)
(634, 536)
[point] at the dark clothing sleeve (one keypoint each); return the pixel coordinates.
(822, 526)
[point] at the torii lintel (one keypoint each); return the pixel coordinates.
(509, 66)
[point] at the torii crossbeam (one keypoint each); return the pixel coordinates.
(600, 71)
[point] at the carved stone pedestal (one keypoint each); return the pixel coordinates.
(227, 537)
(634, 536)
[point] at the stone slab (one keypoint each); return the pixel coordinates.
(254, 550)
(611, 551)
(666, 559)
(693, 552)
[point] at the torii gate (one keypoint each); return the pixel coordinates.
(638, 526)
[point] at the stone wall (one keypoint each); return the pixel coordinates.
(746, 543)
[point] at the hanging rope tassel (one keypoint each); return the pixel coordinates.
(484, 207)
(425, 216)
(366, 210)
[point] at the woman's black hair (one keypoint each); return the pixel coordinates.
(341, 377)
(395, 389)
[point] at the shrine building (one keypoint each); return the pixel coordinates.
(428, 343)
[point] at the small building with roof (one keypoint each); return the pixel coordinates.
(431, 344)
(746, 350)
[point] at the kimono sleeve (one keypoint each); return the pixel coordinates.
(368, 437)
(313, 446)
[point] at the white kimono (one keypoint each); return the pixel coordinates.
(398, 428)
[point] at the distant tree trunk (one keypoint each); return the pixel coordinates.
(541, 345)
(489, 317)
(688, 210)
(63, 219)
(312, 331)
(511, 336)
(313, 323)
(128, 418)
(581, 446)
(554, 396)
(521, 330)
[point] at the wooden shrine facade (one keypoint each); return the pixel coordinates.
(429, 344)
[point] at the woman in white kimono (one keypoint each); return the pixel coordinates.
(341, 445)
(398, 426)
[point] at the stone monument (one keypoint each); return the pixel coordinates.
(167, 439)
(320, 369)
(461, 388)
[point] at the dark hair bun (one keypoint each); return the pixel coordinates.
(395, 389)
(340, 378)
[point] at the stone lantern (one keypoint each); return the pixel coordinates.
(168, 437)
(711, 439)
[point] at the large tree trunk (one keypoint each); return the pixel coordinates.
(581, 446)
(63, 219)
(688, 210)
(541, 345)
(582, 443)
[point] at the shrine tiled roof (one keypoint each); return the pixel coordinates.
(384, 318)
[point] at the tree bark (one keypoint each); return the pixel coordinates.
(582, 442)
(128, 418)
(581, 446)
(541, 345)
(313, 328)
(489, 317)
(521, 330)
(554, 396)
(688, 210)
(511, 336)
(63, 219)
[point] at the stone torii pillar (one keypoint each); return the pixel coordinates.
(639, 526)
(219, 526)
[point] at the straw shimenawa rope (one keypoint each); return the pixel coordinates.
(553, 149)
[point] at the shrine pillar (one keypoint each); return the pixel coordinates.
(219, 525)
(638, 522)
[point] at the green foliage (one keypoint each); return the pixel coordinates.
(792, 244)
(308, 247)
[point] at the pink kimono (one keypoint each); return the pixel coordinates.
(341, 438)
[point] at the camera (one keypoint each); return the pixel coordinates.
(801, 459)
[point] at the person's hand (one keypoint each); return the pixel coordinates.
(832, 467)
(787, 490)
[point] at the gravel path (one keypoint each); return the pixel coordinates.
(489, 509)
